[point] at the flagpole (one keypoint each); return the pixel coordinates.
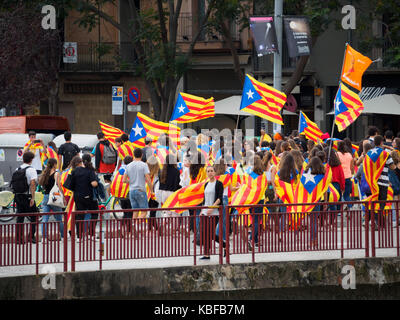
(334, 108)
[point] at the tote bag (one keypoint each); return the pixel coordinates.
(56, 197)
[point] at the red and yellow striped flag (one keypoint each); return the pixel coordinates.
(373, 165)
(110, 133)
(262, 100)
(63, 178)
(119, 189)
(154, 129)
(190, 108)
(191, 195)
(309, 128)
(348, 106)
(251, 191)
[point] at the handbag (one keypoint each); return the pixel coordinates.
(56, 197)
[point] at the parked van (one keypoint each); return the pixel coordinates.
(41, 124)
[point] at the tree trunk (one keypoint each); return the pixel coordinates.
(236, 63)
(53, 99)
(296, 75)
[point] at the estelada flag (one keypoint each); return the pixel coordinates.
(145, 126)
(373, 165)
(310, 189)
(119, 189)
(309, 128)
(354, 66)
(348, 106)
(262, 100)
(190, 108)
(251, 191)
(110, 133)
(191, 195)
(63, 178)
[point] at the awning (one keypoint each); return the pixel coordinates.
(231, 106)
(385, 104)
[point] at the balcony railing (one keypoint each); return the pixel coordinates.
(188, 25)
(103, 56)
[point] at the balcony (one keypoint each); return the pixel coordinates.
(188, 26)
(103, 57)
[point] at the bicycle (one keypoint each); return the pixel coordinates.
(8, 207)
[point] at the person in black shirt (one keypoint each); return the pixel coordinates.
(169, 181)
(83, 180)
(67, 150)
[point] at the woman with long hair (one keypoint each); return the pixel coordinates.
(169, 183)
(83, 180)
(47, 180)
(338, 180)
(270, 172)
(314, 167)
(155, 198)
(298, 159)
(213, 193)
(197, 173)
(347, 161)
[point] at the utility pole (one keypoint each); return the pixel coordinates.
(278, 12)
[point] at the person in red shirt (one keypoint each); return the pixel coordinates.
(338, 180)
(106, 169)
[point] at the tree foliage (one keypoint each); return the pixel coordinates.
(30, 56)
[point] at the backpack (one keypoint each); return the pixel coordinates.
(18, 183)
(69, 153)
(365, 189)
(109, 155)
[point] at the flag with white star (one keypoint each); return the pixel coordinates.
(308, 192)
(138, 131)
(190, 108)
(262, 100)
(348, 106)
(373, 165)
(309, 128)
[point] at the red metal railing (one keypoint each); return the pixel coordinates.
(255, 232)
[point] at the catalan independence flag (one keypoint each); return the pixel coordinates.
(191, 195)
(119, 189)
(309, 128)
(262, 100)
(190, 108)
(348, 107)
(145, 126)
(251, 191)
(110, 133)
(310, 189)
(373, 165)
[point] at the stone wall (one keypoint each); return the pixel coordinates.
(375, 278)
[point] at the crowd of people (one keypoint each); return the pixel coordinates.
(155, 172)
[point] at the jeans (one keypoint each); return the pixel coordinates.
(281, 217)
(314, 221)
(335, 207)
(224, 205)
(138, 199)
(347, 191)
(58, 217)
(257, 216)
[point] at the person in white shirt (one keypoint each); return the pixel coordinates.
(25, 202)
(35, 146)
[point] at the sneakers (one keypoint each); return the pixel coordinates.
(205, 258)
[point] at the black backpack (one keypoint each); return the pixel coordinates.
(69, 152)
(18, 183)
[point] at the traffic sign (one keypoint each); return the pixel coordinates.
(70, 52)
(117, 101)
(133, 96)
